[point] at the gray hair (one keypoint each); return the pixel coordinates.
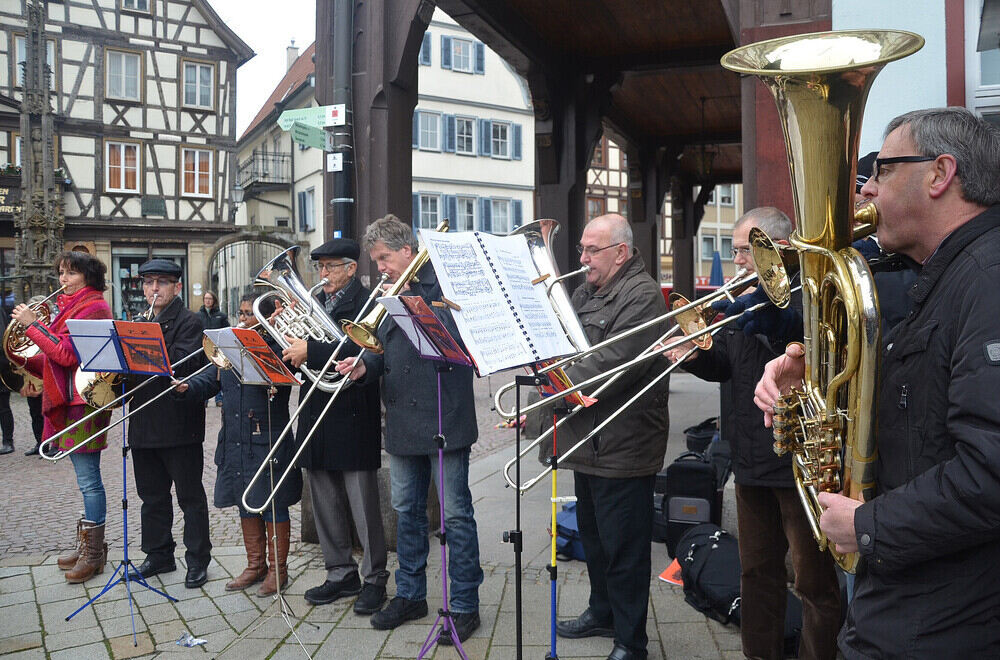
(620, 231)
(771, 220)
(391, 231)
(971, 140)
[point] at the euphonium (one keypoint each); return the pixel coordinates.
(820, 83)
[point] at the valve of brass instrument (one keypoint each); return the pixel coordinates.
(781, 426)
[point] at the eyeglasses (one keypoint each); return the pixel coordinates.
(244, 313)
(322, 267)
(586, 249)
(879, 162)
(163, 282)
(745, 251)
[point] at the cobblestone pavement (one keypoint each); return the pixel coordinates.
(35, 599)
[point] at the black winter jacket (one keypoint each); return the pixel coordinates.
(740, 360)
(350, 435)
(243, 439)
(409, 385)
(170, 422)
(929, 581)
(213, 319)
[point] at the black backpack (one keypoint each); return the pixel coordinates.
(691, 496)
(710, 568)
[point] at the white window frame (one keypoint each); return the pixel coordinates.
(726, 194)
(497, 141)
(726, 252)
(463, 50)
(124, 54)
(199, 155)
(17, 151)
(309, 210)
(983, 99)
(429, 140)
(430, 210)
(707, 240)
(108, 145)
(465, 221)
(21, 54)
(198, 86)
(135, 7)
(471, 122)
(500, 210)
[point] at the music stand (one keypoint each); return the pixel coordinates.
(128, 348)
(254, 363)
(432, 342)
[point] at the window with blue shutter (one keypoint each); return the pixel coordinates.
(516, 213)
(302, 211)
(448, 129)
(416, 210)
(416, 129)
(515, 142)
(485, 214)
(451, 211)
(485, 137)
(425, 50)
(480, 66)
(445, 51)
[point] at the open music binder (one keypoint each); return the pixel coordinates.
(132, 347)
(501, 306)
(251, 358)
(424, 330)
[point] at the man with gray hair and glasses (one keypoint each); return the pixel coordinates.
(770, 516)
(928, 583)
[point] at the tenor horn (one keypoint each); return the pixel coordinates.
(820, 83)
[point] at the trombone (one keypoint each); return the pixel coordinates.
(376, 290)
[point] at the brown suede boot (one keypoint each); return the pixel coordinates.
(277, 566)
(69, 560)
(255, 541)
(94, 554)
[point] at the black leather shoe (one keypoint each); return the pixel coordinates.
(371, 599)
(7, 448)
(466, 623)
(397, 612)
(585, 625)
(151, 567)
(195, 577)
(622, 653)
(330, 591)
(33, 451)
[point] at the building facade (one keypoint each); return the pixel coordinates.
(143, 100)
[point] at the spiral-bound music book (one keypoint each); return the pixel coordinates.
(501, 309)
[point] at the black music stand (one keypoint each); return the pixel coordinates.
(255, 364)
(121, 347)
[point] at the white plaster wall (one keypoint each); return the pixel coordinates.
(915, 82)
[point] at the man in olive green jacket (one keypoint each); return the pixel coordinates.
(615, 471)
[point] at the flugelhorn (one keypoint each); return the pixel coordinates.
(820, 83)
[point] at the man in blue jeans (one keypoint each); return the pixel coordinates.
(410, 395)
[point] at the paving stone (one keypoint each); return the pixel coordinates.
(127, 647)
(60, 591)
(64, 640)
(354, 643)
(208, 624)
(20, 642)
(20, 582)
(158, 613)
(196, 608)
(10, 571)
(292, 651)
(54, 616)
(86, 652)
(19, 619)
(32, 654)
(51, 574)
(690, 641)
(168, 631)
(234, 602)
(26, 596)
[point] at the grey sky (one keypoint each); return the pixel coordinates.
(268, 26)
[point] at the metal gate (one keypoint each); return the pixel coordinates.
(233, 270)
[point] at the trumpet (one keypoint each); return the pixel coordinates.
(295, 415)
(16, 345)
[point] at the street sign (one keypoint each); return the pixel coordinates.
(335, 162)
(319, 117)
(308, 135)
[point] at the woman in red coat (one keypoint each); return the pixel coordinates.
(82, 275)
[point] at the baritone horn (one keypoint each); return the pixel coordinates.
(820, 83)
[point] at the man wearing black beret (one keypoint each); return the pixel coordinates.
(345, 452)
(167, 436)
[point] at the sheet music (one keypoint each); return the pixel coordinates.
(243, 365)
(94, 342)
(401, 316)
(504, 320)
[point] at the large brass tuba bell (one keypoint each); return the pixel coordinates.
(820, 83)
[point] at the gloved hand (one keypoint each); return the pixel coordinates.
(777, 324)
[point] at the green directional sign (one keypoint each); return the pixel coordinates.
(324, 115)
(308, 135)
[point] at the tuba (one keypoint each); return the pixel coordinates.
(820, 83)
(301, 316)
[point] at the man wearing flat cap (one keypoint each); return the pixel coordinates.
(345, 452)
(167, 436)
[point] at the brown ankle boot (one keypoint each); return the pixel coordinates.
(255, 541)
(69, 560)
(93, 556)
(277, 566)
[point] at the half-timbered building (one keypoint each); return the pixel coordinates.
(144, 101)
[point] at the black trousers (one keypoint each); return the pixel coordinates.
(37, 420)
(6, 417)
(616, 526)
(155, 471)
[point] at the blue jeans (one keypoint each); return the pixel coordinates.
(410, 477)
(88, 478)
